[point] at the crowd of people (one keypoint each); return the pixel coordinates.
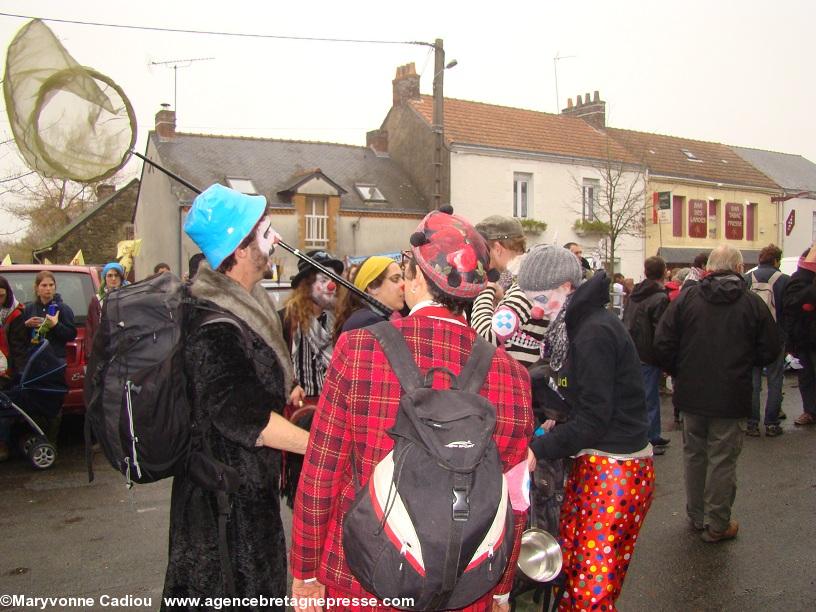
(573, 374)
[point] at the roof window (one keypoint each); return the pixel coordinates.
(242, 185)
(690, 156)
(369, 193)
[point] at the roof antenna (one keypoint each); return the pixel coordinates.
(176, 64)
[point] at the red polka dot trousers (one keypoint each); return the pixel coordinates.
(604, 506)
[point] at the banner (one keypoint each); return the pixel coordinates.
(78, 260)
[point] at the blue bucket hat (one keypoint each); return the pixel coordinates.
(220, 219)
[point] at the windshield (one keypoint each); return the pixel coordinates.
(75, 288)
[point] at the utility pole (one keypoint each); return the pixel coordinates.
(176, 64)
(438, 119)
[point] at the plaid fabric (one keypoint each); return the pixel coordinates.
(359, 402)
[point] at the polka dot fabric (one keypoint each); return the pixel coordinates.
(605, 504)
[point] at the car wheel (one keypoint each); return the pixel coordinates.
(42, 455)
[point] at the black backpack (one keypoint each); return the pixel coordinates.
(136, 401)
(434, 522)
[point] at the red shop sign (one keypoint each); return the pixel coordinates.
(698, 219)
(734, 221)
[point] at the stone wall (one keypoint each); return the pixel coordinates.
(99, 233)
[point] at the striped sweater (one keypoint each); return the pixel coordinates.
(525, 344)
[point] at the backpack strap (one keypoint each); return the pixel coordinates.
(473, 374)
(399, 355)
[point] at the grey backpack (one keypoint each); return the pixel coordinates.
(434, 521)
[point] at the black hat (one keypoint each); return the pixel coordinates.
(322, 257)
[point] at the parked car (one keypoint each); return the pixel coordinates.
(77, 285)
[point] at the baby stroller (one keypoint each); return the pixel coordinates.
(37, 398)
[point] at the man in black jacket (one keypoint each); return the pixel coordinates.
(710, 338)
(646, 305)
(799, 317)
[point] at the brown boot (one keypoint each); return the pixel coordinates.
(711, 536)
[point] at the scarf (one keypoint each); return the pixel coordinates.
(312, 352)
(556, 340)
(7, 310)
(254, 308)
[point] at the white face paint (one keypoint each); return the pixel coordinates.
(266, 237)
(324, 291)
(547, 304)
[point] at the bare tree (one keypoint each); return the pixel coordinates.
(614, 207)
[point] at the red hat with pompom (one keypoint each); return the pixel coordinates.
(452, 254)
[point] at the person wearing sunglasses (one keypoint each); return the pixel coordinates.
(381, 278)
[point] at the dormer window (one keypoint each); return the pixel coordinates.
(690, 156)
(369, 193)
(242, 185)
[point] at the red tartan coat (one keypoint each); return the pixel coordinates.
(359, 403)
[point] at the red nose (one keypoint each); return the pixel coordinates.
(537, 312)
(331, 286)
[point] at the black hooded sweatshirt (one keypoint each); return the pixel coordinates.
(600, 380)
(641, 316)
(709, 339)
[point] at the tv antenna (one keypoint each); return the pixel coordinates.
(176, 64)
(555, 66)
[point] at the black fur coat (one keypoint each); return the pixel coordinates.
(227, 388)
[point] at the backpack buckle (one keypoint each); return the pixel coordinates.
(461, 504)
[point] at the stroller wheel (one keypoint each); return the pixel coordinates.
(42, 454)
(26, 442)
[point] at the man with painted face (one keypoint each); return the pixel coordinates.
(237, 391)
(596, 370)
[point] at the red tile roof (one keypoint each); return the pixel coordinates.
(518, 129)
(664, 156)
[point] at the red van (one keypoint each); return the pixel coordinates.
(77, 285)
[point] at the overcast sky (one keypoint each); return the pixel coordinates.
(720, 71)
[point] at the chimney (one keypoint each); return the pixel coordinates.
(592, 110)
(166, 123)
(104, 190)
(377, 140)
(405, 84)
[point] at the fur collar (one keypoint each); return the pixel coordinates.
(255, 309)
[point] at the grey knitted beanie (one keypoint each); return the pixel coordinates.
(548, 266)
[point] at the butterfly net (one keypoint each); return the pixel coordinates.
(69, 121)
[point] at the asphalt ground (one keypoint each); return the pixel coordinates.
(63, 537)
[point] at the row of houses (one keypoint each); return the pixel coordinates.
(553, 171)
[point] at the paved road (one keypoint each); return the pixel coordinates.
(61, 537)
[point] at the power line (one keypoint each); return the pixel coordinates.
(217, 33)
(8, 179)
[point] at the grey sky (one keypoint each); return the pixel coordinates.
(721, 71)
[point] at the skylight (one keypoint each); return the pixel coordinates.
(691, 156)
(369, 193)
(243, 185)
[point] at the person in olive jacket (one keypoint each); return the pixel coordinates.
(647, 303)
(710, 339)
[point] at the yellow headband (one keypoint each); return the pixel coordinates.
(371, 269)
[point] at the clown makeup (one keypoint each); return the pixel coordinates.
(546, 304)
(324, 291)
(266, 237)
